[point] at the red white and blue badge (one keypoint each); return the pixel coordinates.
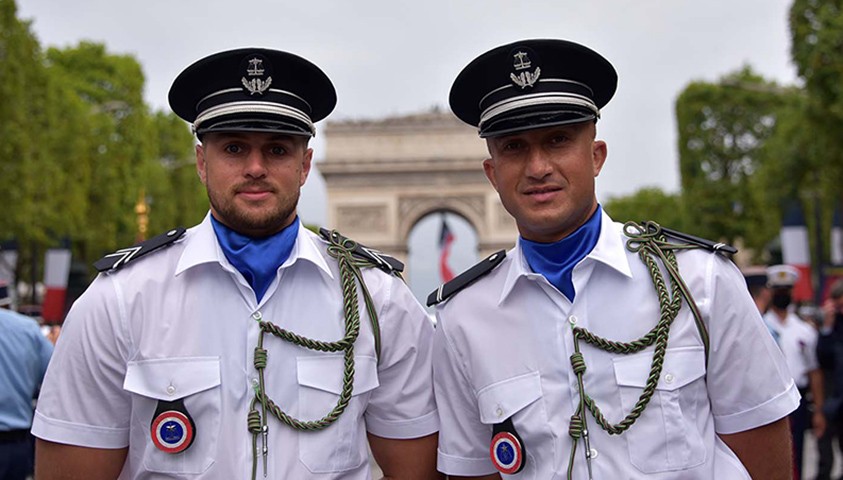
(172, 428)
(507, 450)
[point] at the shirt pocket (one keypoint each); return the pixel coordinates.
(197, 381)
(341, 446)
(519, 398)
(666, 437)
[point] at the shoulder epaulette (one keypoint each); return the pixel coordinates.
(466, 278)
(379, 259)
(717, 247)
(118, 259)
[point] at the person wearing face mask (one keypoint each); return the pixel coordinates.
(798, 342)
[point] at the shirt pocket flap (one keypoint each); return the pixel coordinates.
(503, 399)
(326, 373)
(172, 378)
(681, 366)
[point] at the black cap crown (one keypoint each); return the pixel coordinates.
(532, 84)
(253, 89)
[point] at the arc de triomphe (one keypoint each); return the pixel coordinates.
(383, 176)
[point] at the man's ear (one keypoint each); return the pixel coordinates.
(307, 162)
(200, 164)
(489, 170)
(599, 152)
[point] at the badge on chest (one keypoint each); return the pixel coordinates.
(172, 429)
(507, 449)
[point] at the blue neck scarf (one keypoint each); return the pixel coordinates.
(257, 259)
(556, 261)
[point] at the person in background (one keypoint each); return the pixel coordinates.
(756, 283)
(797, 340)
(24, 355)
(830, 356)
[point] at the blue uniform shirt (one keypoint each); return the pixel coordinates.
(24, 354)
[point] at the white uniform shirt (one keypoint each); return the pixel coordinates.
(182, 323)
(798, 341)
(502, 350)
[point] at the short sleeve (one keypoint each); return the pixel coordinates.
(748, 381)
(82, 400)
(402, 406)
(463, 439)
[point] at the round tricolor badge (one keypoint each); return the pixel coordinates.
(172, 431)
(507, 453)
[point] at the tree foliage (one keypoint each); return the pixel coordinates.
(648, 204)
(816, 28)
(79, 147)
(723, 127)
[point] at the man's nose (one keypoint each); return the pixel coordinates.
(255, 164)
(538, 164)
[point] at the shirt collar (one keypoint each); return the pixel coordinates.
(201, 246)
(609, 250)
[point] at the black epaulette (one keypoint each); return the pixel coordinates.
(118, 259)
(466, 278)
(717, 247)
(384, 262)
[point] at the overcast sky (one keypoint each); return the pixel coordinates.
(393, 57)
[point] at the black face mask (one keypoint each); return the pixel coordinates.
(782, 300)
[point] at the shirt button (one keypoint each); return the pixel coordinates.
(668, 378)
(171, 390)
(499, 411)
(592, 453)
(257, 315)
(572, 319)
(255, 382)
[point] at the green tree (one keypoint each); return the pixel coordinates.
(28, 177)
(723, 128)
(648, 204)
(816, 28)
(176, 195)
(120, 142)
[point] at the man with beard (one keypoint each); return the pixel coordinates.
(798, 342)
(593, 349)
(249, 346)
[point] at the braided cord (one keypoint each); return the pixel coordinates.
(650, 243)
(350, 278)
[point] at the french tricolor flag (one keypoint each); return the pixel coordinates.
(56, 273)
(446, 239)
(796, 250)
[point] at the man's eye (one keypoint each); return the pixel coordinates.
(559, 139)
(509, 146)
(278, 150)
(233, 149)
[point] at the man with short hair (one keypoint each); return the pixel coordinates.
(24, 355)
(249, 346)
(593, 349)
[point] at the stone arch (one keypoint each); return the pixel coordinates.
(383, 176)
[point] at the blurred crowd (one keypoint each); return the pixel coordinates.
(811, 340)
